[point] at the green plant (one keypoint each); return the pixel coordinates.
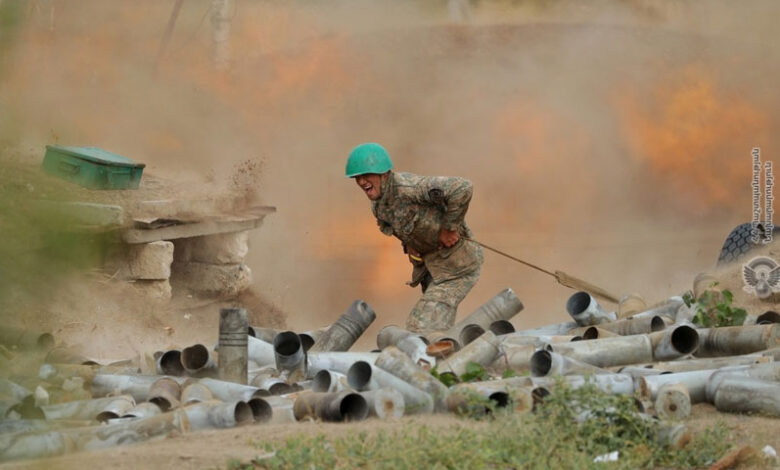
(570, 429)
(714, 309)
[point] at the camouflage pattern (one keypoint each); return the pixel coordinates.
(414, 208)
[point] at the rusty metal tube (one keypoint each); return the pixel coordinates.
(545, 363)
(482, 350)
(748, 395)
(308, 338)
(502, 306)
(363, 376)
(288, 352)
(343, 333)
(631, 304)
(165, 393)
(218, 415)
(233, 349)
(392, 360)
(336, 407)
(195, 392)
(736, 340)
(384, 403)
(586, 311)
(695, 381)
(608, 352)
(282, 408)
(678, 341)
(673, 402)
(100, 409)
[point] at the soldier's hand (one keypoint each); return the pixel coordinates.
(448, 238)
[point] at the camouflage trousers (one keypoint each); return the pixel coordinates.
(436, 309)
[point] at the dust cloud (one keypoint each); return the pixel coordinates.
(610, 140)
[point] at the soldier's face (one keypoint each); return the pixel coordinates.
(371, 184)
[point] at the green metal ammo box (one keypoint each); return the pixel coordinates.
(92, 167)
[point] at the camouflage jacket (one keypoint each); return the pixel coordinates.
(414, 208)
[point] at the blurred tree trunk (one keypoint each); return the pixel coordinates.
(221, 16)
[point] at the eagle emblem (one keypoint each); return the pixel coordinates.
(761, 276)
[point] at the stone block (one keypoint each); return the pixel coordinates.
(154, 290)
(211, 280)
(146, 261)
(221, 248)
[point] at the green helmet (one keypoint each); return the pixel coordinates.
(368, 158)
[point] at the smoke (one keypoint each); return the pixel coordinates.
(610, 140)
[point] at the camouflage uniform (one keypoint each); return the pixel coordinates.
(414, 209)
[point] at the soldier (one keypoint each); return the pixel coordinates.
(426, 213)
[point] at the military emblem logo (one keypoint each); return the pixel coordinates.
(761, 276)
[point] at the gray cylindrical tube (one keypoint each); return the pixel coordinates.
(272, 385)
(195, 392)
(667, 308)
(503, 306)
(39, 445)
(673, 402)
(135, 385)
(768, 371)
(289, 354)
(413, 344)
(384, 403)
(100, 409)
(702, 283)
(770, 316)
(516, 357)
(342, 406)
(336, 361)
(586, 311)
(142, 410)
(747, 395)
(594, 332)
(218, 415)
(482, 350)
(261, 410)
(635, 326)
(308, 338)
(608, 352)
(197, 359)
(392, 360)
(544, 363)
(500, 392)
(328, 381)
(262, 333)
(695, 381)
(260, 352)
(165, 393)
(169, 363)
(619, 384)
(735, 340)
(231, 391)
(233, 352)
(631, 304)
(685, 365)
(469, 333)
(675, 342)
(502, 327)
(343, 333)
(364, 376)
